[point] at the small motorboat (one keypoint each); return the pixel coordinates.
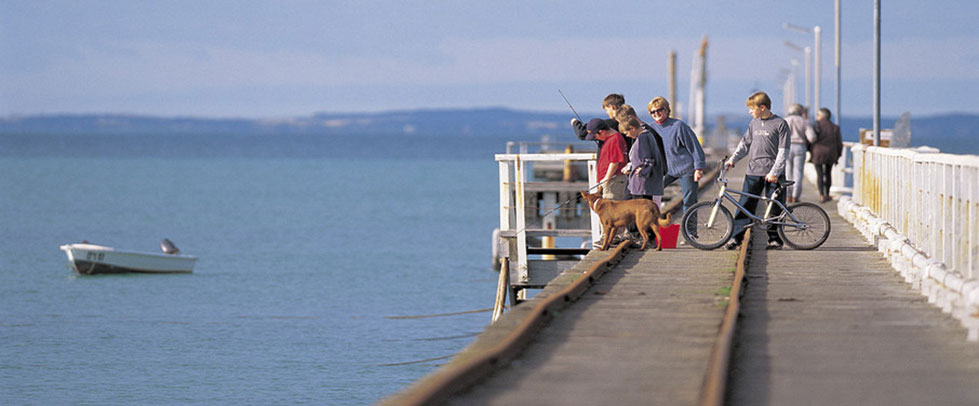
(90, 259)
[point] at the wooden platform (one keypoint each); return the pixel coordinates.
(833, 326)
(838, 326)
(641, 335)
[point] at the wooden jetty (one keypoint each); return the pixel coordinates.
(836, 325)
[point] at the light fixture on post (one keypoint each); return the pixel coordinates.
(808, 52)
(816, 61)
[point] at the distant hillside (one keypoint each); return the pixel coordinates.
(950, 132)
(953, 133)
(470, 122)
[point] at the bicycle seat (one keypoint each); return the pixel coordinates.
(786, 183)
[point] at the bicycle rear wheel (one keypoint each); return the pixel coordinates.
(811, 231)
(695, 230)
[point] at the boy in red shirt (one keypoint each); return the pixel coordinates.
(611, 159)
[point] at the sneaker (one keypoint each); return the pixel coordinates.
(774, 245)
(733, 245)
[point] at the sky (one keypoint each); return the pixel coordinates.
(289, 58)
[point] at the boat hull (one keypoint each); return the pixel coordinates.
(89, 259)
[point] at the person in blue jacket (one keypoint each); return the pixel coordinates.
(685, 159)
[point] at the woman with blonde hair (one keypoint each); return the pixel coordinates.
(683, 154)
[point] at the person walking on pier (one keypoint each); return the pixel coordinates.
(826, 150)
(766, 143)
(682, 151)
(800, 140)
(646, 163)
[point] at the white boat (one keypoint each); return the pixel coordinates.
(89, 259)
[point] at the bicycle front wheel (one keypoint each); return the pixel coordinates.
(698, 234)
(812, 229)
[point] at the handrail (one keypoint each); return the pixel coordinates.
(513, 203)
(930, 198)
(453, 378)
(921, 209)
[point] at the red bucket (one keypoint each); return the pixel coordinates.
(669, 235)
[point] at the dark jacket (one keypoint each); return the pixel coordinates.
(829, 144)
(659, 144)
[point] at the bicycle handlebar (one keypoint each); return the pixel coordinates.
(723, 171)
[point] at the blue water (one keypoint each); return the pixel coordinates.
(306, 245)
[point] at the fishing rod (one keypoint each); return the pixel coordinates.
(569, 105)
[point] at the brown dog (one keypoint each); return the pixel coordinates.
(622, 213)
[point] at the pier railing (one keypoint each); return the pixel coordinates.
(922, 210)
(539, 210)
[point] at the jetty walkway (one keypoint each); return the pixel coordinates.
(836, 325)
(839, 326)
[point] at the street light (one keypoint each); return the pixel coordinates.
(836, 61)
(787, 78)
(816, 74)
(808, 52)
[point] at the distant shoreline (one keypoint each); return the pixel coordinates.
(950, 130)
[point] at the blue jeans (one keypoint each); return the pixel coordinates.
(757, 185)
(794, 168)
(689, 188)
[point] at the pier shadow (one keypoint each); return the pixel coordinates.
(750, 368)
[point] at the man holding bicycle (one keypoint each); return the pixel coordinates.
(766, 143)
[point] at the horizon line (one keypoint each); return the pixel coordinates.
(22, 116)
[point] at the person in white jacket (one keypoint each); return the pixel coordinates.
(801, 136)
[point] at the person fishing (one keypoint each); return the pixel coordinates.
(610, 105)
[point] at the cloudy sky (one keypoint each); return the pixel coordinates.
(257, 59)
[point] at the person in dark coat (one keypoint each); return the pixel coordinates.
(826, 150)
(646, 163)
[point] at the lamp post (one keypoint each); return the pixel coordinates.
(876, 72)
(839, 114)
(808, 52)
(787, 78)
(816, 72)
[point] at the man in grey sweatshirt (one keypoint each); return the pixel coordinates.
(766, 143)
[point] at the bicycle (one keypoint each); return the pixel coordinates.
(803, 226)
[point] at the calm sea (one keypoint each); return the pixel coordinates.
(307, 247)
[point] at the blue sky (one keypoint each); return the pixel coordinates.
(256, 59)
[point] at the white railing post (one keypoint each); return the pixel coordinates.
(596, 223)
(520, 174)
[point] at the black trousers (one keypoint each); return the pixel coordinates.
(824, 178)
(757, 185)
